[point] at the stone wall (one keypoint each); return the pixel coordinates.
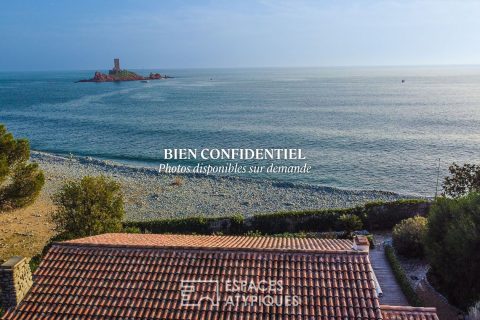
(15, 281)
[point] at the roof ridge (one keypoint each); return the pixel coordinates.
(207, 235)
(407, 308)
(210, 248)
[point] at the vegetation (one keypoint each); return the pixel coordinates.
(371, 241)
(375, 216)
(349, 223)
(20, 181)
(35, 262)
(385, 215)
(474, 312)
(125, 74)
(91, 206)
(408, 236)
(451, 244)
(401, 277)
(463, 179)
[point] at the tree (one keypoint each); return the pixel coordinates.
(408, 236)
(20, 181)
(463, 179)
(91, 206)
(451, 244)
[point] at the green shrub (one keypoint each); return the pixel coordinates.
(91, 206)
(35, 262)
(401, 277)
(255, 233)
(132, 230)
(452, 245)
(20, 181)
(236, 224)
(349, 223)
(408, 236)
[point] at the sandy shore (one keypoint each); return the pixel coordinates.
(151, 195)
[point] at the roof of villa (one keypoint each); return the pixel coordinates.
(128, 276)
(215, 242)
(408, 313)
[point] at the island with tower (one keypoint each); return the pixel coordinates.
(117, 74)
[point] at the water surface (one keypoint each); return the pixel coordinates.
(361, 128)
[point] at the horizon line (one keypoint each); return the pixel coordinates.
(258, 67)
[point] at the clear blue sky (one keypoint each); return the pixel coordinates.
(70, 35)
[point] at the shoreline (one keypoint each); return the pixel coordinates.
(150, 195)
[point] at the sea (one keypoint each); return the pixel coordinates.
(361, 128)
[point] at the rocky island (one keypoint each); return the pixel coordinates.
(117, 74)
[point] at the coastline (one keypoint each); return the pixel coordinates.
(150, 195)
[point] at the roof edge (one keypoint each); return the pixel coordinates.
(224, 249)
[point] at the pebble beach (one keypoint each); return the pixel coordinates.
(150, 195)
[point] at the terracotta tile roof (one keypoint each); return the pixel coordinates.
(408, 313)
(216, 242)
(142, 277)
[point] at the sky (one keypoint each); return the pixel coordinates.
(88, 34)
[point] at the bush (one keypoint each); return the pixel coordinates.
(408, 236)
(349, 223)
(132, 230)
(401, 277)
(20, 182)
(35, 262)
(91, 206)
(451, 244)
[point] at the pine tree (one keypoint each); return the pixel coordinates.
(20, 181)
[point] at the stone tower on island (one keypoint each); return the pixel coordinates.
(116, 66)
(117, 74)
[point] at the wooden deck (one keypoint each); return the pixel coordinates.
(392, 294)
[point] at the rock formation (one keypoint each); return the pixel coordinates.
(117, 74)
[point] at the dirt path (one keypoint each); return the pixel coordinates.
(25, 231)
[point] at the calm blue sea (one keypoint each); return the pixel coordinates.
(361, 128)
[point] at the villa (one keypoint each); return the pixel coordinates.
(149, 276)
